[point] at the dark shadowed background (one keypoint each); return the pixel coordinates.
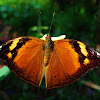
(77, 19)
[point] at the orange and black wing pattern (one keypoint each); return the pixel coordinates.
(65, 60)
(69, 60)
(24, 56)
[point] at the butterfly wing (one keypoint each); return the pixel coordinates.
(69, 60)
(24, 56)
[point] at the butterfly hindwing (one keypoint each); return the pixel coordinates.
(24, 55)
(69, 60)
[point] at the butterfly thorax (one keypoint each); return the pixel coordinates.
(48, 48)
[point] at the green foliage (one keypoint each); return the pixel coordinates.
(75, 19)
(4, 71)
(21, 17)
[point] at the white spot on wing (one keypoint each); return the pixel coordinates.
(93, 51)
(98, 54)
(0, 47)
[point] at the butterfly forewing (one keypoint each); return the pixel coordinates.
(69, 60)
(24, 56)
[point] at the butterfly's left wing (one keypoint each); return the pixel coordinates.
(24, 56)
(69, 60)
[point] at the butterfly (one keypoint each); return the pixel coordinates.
(61, 62)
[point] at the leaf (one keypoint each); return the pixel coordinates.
(4, 71)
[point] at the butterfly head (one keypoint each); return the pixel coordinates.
(48, 37)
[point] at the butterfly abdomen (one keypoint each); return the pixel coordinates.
(48, 48)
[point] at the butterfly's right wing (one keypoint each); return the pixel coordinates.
(24, 56)
(69, 60)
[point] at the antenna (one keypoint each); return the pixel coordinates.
(39, 22)
(51, 22)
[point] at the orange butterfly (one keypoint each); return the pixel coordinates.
(61, 62)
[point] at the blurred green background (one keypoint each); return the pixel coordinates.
(77, 19)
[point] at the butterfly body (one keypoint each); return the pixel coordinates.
(61, 62)
(48, 48)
